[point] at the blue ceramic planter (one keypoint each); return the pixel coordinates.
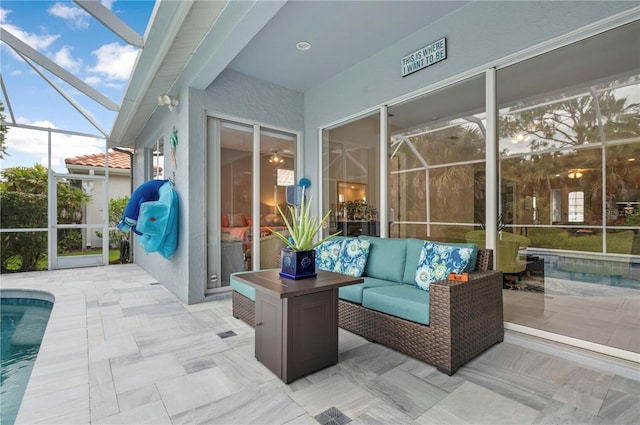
(298, 264)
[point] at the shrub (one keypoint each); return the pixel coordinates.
(23, 210)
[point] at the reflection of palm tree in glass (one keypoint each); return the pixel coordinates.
(569, 123)
(426, 153)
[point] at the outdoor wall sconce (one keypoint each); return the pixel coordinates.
(168, 101)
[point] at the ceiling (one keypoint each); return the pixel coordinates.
(341, 33)
(262, 44)
(188, 44)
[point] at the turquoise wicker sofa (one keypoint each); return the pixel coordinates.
(445, 326)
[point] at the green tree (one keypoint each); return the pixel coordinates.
(23, 193)
(552, 131)
(116, 211)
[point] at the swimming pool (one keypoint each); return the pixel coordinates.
(22, 324)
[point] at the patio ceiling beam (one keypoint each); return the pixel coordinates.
(6, 98)
(68, 98)
(26, 50)
(111, 21)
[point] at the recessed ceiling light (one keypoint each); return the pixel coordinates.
(303, 45)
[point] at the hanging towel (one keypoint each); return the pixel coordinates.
(152, 214)
(147, 191)
(158, 223)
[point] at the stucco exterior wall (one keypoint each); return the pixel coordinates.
(234, 95)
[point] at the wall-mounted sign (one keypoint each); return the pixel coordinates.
(422, 58)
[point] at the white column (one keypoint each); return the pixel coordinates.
(383, 211)
(491, 164)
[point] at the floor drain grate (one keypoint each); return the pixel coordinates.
(332, 416)
(226, 334)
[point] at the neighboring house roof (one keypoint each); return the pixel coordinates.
(117, 160)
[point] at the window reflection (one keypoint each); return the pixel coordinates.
(552, 157)
(436, 163)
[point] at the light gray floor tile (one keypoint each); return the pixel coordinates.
(188, 392)
(138, 397)
(103, 401)
(265, 404)
(383, 414)
(473, 404)
(557, 413)
(626, 385)
(526, 389)
(406, 392)
(584, 389)
(145, 372)
(620, 408)
(335, 391)
(155, 355)
(441, 416)
(241, 363)
(153, 413)
(375, 358)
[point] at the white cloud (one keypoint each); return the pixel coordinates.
(107, 3)
(75, 16)
(38, 42)
(31, 145)
(64, 59)
(3, 14)
(114, 61)
(93, 80)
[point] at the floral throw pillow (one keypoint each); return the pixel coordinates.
(327, 254)
(353, 257)
(437, 261)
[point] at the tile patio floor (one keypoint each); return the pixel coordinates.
(121, 349)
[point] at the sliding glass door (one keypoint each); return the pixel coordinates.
(248, 167)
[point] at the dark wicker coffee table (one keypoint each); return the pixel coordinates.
(296, 321)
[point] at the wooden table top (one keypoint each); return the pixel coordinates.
(271, 281)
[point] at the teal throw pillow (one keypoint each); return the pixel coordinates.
(353, 257)
(437, 261)
(328, 254)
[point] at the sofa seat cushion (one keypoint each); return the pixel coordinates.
(404, 301)
(242, 288)
(353, 293)
(386, 258)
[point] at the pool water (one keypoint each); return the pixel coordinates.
(22, 325)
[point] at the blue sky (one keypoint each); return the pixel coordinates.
(73, 39)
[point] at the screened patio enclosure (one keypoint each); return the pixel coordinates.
(566, 191)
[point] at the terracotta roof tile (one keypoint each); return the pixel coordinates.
(116, 160)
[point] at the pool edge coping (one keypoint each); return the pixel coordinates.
(58, 388)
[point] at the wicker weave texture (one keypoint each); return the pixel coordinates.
(243, 309)
(466, 318)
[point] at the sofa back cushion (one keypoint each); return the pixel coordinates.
(414, 248)
(343, 255)
(353, 256)
(386, 259)
(328, 253)
(438, 260)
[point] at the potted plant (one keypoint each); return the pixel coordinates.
(298, 258)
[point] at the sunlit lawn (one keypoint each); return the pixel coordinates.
(15, 262)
